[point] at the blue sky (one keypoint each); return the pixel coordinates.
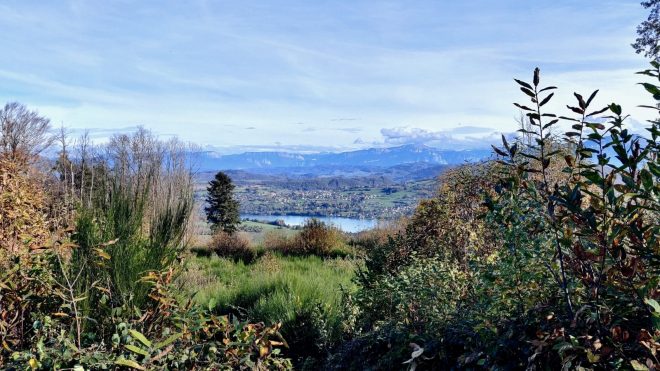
(312, 75)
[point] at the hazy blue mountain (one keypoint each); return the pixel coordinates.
(343, 163)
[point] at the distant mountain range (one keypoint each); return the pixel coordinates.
(395, 161)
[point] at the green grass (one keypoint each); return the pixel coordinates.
(228, 284)
(304, 293)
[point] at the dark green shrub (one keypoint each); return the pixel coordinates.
(556, 246)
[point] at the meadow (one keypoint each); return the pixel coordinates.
(305, 294)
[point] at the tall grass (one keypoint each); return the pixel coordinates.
(135, 222)
(117, 228)
(305, 293)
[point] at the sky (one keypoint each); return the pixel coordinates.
(320, 75)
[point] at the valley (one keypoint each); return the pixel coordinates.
(374, 183)
(373, 197)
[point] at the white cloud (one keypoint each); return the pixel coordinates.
(406, 135)
(468, 137)
(206, 70)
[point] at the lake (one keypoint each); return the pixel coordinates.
(345, 224)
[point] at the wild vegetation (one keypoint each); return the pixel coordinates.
(546, 258)
(303, 293)
(90, 252)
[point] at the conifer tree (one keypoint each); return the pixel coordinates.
(222, 208)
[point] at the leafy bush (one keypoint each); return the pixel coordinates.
(374, 238)
(314, 238)
(547, 257)
(410, 295)
(597, 224)
(22, 209)
(317, 238)
(164, 335)
(100, 295)
(235, 246)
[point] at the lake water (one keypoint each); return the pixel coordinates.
(345, 224)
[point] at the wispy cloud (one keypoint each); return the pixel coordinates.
(466, 137)
(412, 135)
(190, 68)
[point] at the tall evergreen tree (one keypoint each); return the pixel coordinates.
(222, 208)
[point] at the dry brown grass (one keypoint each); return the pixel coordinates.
(278, 241)
(236, 246)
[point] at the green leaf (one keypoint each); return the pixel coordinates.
(500, 152)
(525, 108)
(655, 169)
(169, 340)
(638, 366)
(591, 97)
(141, 338)
(651, 88)
(599, 111)
(528, 92)
(595, 125)
(506, 144)
(546, 100)
(537, 76)
(581, 102)
(647, 179)
(593, 176)
(137, 350)
(576, 110)
(524, 84)
(549, 124)
(129, 363)
(654, 304)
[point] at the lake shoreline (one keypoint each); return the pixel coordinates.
(350, 225)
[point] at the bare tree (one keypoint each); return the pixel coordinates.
(23, 133)
(84, 148)
(64, 171)
(525, 128)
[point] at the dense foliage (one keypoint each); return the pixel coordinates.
(545, 258)
(89, 254)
